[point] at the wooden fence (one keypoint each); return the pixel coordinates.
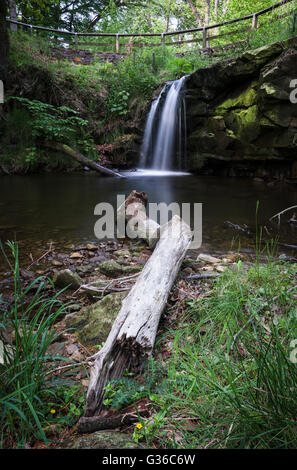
(205, 39)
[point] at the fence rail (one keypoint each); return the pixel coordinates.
(205, 39)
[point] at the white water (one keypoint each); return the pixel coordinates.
(165, 131)
(144, 172)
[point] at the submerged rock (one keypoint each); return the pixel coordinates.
(94, 322)
(104, 440)
(67, 278)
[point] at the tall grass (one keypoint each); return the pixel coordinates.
(231, 368)
(24, 385)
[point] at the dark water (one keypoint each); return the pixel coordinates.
(60, 207)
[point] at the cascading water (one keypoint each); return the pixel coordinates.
(164, 141)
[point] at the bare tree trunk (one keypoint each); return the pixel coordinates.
(4, 42)
(198, 17)
(13, 14)
(168, 16)
(216, 9)
(134, 331)
(81, 158)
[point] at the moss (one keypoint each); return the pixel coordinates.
(94, 322)
(244, 123)
(245, 99)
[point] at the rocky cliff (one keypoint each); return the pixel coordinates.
(241, 120)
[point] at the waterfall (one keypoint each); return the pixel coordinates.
(164, 141)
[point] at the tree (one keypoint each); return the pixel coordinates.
(13, 14)
(4, 42)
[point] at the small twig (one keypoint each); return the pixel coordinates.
(40, 258)
(281, 213)
(68, 367)
(202, 276)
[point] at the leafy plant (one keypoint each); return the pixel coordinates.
(24, 383)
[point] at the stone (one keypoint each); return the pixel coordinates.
(55, 262)
(208, 259)
(91, 247)
(67, 278)
(104, 440)
(110, 268)
(76, 255)
(95, 321)
(220, 269)
(245, 116)
(122, 253)
(133, 268)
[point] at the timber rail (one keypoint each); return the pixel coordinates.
(168, 37)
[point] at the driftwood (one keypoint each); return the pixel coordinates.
(134, 212)
(133, 334)
(115, 419)
(81, 158)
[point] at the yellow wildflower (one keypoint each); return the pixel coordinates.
(53, 412)
(139, 425)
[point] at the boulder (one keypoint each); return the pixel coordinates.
(67, 278)
(239, 113)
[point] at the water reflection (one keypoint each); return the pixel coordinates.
(61, 207)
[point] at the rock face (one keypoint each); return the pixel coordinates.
(94, 322)
(240, 117)
(105, 440)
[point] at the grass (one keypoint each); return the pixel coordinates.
(27, 388)
(229, 380)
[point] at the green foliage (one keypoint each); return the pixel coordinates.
(60, 124)
(66, 405)
(24, 381)
(230, 372)
(127, 390)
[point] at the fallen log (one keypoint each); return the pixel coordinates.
(115, 419)
(132, 337)
(81, 158)
(134, 212)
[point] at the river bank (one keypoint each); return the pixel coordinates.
(211, 298)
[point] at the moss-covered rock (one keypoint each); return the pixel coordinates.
(67, 278)
(110, 268)
(104, 440)
(246, 108)
(94, 322)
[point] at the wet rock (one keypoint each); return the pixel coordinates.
(67, 278)
(94, 322)
(110, 268)
(104, 440)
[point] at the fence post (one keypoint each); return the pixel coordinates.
(255, 22)
(117, 43)
(76, 41)
(31, 30)
(204, 33)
